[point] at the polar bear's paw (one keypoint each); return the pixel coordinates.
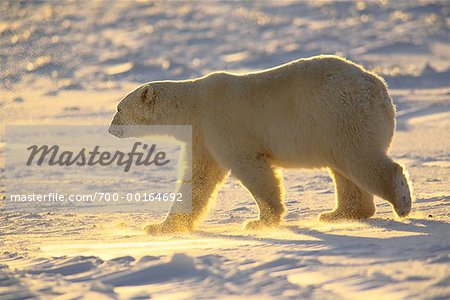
(402, 202)
(333, 216)
(164, 228)
(156, 229)
(259, 224)
(342, 216)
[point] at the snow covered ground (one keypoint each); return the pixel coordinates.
(70, 62)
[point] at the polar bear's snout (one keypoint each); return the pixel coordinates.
(117, 131)
(116, 128)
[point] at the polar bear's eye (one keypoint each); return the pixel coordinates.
(118, 109)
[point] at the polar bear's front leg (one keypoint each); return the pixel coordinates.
(264, 182)
(207, 177)
(352, 203)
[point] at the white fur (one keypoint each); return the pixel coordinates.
(311, 113)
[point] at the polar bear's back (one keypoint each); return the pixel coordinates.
(304, 108)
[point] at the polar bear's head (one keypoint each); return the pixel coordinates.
(137, 108)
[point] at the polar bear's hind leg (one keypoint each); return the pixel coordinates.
(352, 203)
(381, 176)
(403, 196)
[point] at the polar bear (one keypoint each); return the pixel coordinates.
(319, 112)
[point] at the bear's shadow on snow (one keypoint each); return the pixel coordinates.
(417, 237)
(417, 234)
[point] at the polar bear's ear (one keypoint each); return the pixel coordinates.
(148, 95)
